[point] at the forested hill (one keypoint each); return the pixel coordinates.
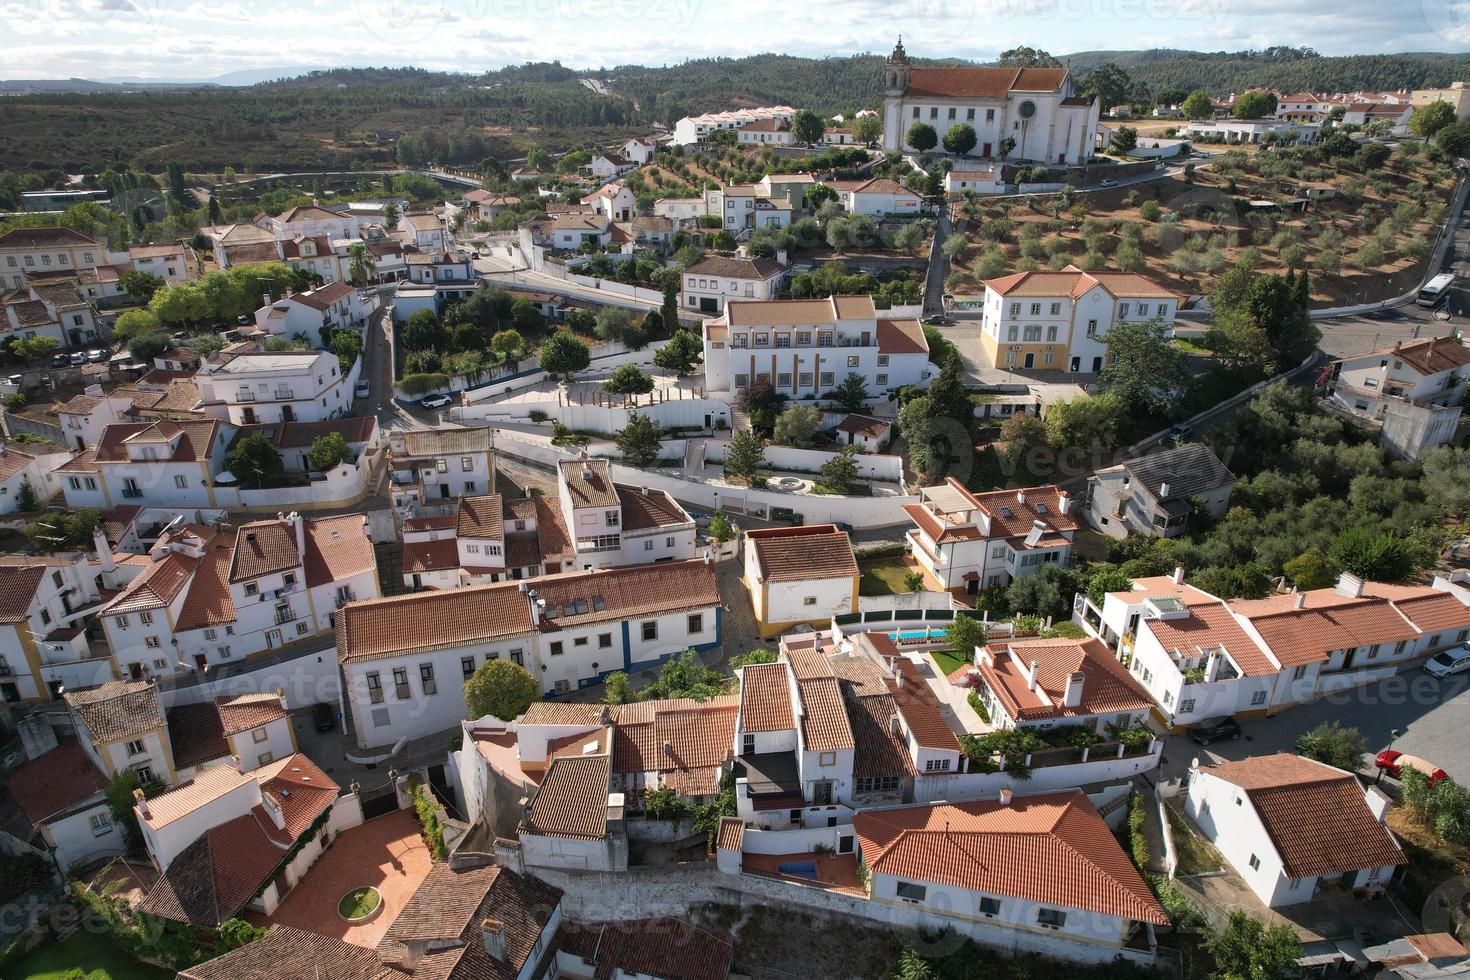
(1286, 69)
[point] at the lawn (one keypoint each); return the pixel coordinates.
(883, 576)
(1196, 856)
(948, 661)
(359, 903)
(93, 954)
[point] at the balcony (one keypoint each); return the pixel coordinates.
(343, 598)
(284, 616)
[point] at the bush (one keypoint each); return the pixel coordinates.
(433, 832)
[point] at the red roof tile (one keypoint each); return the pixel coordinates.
(55, 782)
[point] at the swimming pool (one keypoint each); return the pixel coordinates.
(916, 634)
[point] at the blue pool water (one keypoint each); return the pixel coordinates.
(913, 634)
(800, 869)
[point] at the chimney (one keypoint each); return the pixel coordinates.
(492, 931)
(893, 724)
(141, 802)
(37, 737)
(239, 766)
(104, 551)
(1163, 491)
(1031, 676)
(668, 748)
(405, 955)
(1072, 697)
(1349, 585)
(1179, 575)
(1377, 803)
(299, 526)
(1005, 796)
(1064, 501)
(1021, 496)
(272, 806)
(93, 391)
(1299, 601)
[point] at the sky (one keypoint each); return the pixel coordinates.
(192, 39)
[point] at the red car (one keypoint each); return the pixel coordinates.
(1395, 762)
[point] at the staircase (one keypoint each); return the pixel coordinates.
(694, 456)
(739, 421)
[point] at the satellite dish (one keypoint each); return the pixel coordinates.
(1027, 109)
(225, 476)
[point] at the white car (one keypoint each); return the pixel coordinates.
(435, 401)
(1107, 182)
(362, 390)
(1448, 662)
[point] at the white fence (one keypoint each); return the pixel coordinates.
(871, 466)
(604, 357)
(800, 841)
(1044, 778)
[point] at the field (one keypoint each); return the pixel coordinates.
(883, 576)
(94, 955)
(1370, 241)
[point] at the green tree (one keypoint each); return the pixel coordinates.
(720, 527)
(964, 634)
(1374, 556)
(423, 331)
(627, 379)
(1430, 119)
(745, 456)
(617, 689)
(563, 355)
(1197, 106)
(121, 800)
(685, 677)
(144, 346)
(614, 324)
(509, 344)
(1125, 138)
(1334, 744)
(1086, 421)
(130, 323)
(682, 353)
(1254, 105)
(640, 439)
(1246, 949)
(806, 127)
(361, 267)
(140, 286)
(1105, 579)
(840, 472)
(867, 129)
(1110, 84)
(181, 303)
(922, 137)
(817, 195)
(1454, 139)
(327, 451)
(851, 394)
(798, 424)
(256, 462)
(502, 688)
(1144, 368)
(1310, 570)
(760, 655)
(959, 139)
(25, 498)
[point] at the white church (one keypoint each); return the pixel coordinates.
(1035, 107)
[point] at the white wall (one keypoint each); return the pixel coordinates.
(1044, 779)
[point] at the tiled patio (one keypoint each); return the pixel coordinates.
(386, 853)
(837, 872)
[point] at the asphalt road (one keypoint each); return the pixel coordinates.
(1432, 716)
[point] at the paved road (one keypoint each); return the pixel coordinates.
(1432, 715)
(934, 280)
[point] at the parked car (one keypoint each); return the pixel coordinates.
(1214, 730)
(1448, 662)
(323, 717)
(363, 390)
(1394, 762)
(60, 360)
(96, 355)
(936, 319)
(1107, 182)
(79, 358)
(434, 401)
(1182, 431)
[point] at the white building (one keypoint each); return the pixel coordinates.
(614, 201)
(52, 308)
(1061, 320)
(423, 231)
(808, 346)
(312, 220)
(285, 386)
(48, 603)
(877, 197)
(695, 129)
(973, 178)
(1413, 390)
(430, 465)
(799, 575)
(714, 279)
(1233, 130)
(605, 165)
(172, 262)
(640, 149)
(404, 659)
(1059, 683)
(26, 252)
(254, 728)
(1027, 873)
(613, 525)
(60, 795)
(774, 131)
(1201, 657)
(1155, 494)
(1035, 107)
(172, 463)
(745, 207)
(971, 542)
(1295, 829)
(32, 465)
(335, 305)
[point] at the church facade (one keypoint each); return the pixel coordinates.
(1033, 107)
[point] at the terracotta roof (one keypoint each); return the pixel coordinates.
(290, 954)
(731, 835)
(45, 238)
(430, 556)
(117, 710)
(621, 593)
(200, 733)
(323, 297)
(372, 629)
(1208, 626)
(699, 736)
(445, 442)
(552, 539)
(877, 749)
(901, 337)
(1315, 814)
(338, 548)
(18, 585)
(195, 437)
(1107, 687)
(765, 698)
(983, 83)
(802, 554)
(563, 713)
(571, 801)
(209, 602)
(481, 518)
(862, 425)
(1011, 518)
(55, 782)
(824, 724)
(1434, 611)
(1073, 283)
(670, 949)
(588, 482)
(1309, 634)
(216, 875)
(1053, 849)
(354, 429)
(645, 508)
(735, 267)
(792, 312)
(264, 548)
(1434, 355)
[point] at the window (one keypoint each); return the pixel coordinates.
(1255, 863)
(747, 744)
(881, 380)
(580, 641)
(951, 112)
(556, 648)
(467, 665)
(1186, 706)
(1033, 333)
(101, 823)
(146, 618)
(251, 588)
(400, 683)
(1258, 697)
(259, 735)
(145, 774)
(302, 627)
(1122, 309)
(466, 464)
(518, 657)
(810, 600)
(1051, 333)
(180, 482)
(742, 380)
(1299, 672)
(989, 906)
(804, 379)
(604, 641)
(853, 360)
(426, 679)
(783, 380)
(990, 115)
(152, 642)
(877, 784)
(210, 634)
(936, 765)
(441, 465)
(969, 115)
(1051, 918)
(135, 747)
(650, 630)
(882, 360)
(696, 623)
(910, 892)
(828, 378)
(613, 518)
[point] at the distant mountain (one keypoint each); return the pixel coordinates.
(128, 83)
(247, 76)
